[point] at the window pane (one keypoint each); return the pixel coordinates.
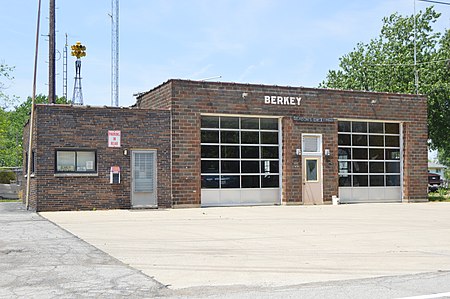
(229, 151)
(65, 161)
(359, 127)
(210, 122)
(269, 137)
(360, 181)
(250, 181)
(345, 167)
(269, 181)
(209, 166)
(229, 137)
(230, 181)
(311, 170)
(269, 124)
(229, 122)
(210, 137)
(270, 152)
(344, 139)
(392, 128)
(359, 140)
(377, 180)
(249, 137)
(249, 123)
(393, 141)
(376, 140)
(230, 167)
(392, 167)
(392, 180)
(270, 166)
(344, 126)
(250, 166)
(86, 161)
(210, 181)
(210, 151)
(360, 153)
(360, 167)
(250, 151)
(376, 128)
(392, 154)
(345, 180)
(376, 154)
(376, 167)
(344, 153)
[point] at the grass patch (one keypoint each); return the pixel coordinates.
(440, 195)
(9, 200)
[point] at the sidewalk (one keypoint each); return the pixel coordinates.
(40, 260)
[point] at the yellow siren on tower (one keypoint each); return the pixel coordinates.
(78, 50)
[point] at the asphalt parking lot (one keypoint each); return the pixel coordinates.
(270, 246)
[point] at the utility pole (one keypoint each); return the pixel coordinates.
(51, 54)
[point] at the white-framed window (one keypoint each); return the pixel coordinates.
(369, 154)
(239, 152)
(311, 144)
(75, 161)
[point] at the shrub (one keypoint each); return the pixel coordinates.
(6, 176)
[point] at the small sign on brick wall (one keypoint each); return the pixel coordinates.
(113, 138)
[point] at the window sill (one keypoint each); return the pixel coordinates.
(76, 174)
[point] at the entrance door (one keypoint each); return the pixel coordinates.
(312, 169)
(143, 178)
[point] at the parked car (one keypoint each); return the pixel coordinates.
(434, 182)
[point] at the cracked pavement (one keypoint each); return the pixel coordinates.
(40, 260)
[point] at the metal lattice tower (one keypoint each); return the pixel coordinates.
(115, 53)
(65, 70)
(78, 50)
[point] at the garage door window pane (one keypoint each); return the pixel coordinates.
(360, 167)
(229, 151)
(360, 153)
(344, 126)
(376, 154)
(360, 181)
(345, 180)
(250, 181)
(392, 180)
(250, 167)
(230, 181)
(376, 140)
(393, 167)
(269, 137)
(209, 166)
(270, 152)
(230, 167)
(359, 127)
(249, 123)
(359, 140)
(270, 181)
(376, 167)
(392, 128)
(250, 152)
(249, 137)
(229, 122)
(210, 122)
(210, 181)
(377, 180)
(229, 137)
(269, 124)
(392, 141)
(210, 151)
(392, 154)
(210, 137)
(376, 128)
(344, 139)
(344, 153)
(270, 166)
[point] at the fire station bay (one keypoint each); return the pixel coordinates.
(200, 144)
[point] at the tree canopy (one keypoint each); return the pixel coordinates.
(386, 64)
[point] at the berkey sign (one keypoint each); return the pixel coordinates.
(281, 100)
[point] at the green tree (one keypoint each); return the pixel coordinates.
(386, 64)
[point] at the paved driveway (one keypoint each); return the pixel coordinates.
(270, 246)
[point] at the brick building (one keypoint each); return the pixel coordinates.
(191, 144)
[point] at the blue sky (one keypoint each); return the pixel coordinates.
(277, 42)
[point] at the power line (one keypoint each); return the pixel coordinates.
(436, 2)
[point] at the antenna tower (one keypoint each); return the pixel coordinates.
(65, 70)
(115, 53)
(78, 50)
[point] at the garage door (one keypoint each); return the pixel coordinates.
(369, 161)
(240, 160)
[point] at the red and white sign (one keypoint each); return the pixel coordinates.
(113, 138)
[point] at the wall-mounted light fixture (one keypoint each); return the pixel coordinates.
(244, 95)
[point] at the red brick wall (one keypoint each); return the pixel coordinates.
(191, 98)
(82, 127)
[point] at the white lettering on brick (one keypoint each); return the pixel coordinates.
(282, 100)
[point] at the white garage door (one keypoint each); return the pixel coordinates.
(369, 161)
(240, 160)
